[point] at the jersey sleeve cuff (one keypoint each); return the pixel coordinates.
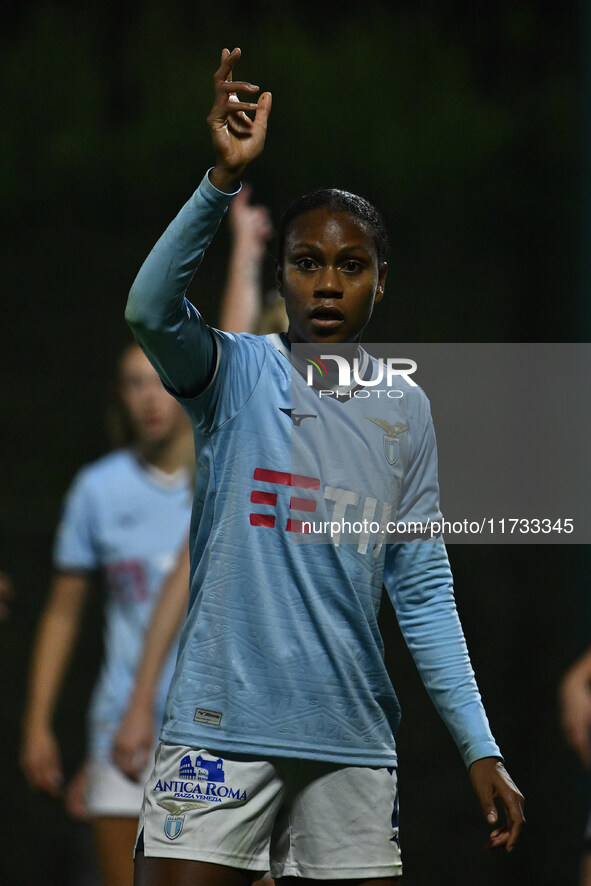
(213, 194)
(481, 750)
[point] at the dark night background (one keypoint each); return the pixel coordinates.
(466, 124)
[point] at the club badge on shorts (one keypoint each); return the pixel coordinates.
(175, 820)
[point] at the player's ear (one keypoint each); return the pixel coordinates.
(381, 281)
(279, 277)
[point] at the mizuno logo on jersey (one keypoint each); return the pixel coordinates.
(297, 417)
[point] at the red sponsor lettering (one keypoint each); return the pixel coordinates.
(296, 503)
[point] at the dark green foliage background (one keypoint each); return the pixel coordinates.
(464, 122)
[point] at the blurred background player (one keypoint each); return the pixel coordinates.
(127, 516)
(575, 705)
(5, 596)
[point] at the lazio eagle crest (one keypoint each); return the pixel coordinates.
(173, 825)
(391, 441)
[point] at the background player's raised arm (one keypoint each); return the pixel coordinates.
(251, 228)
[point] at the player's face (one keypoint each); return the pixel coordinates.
(329, 276)
(155, 416)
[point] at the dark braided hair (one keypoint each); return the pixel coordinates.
(359, 208)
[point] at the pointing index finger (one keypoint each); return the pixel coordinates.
(227, 62)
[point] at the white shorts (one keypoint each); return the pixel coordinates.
(111, 793)
(297, 818)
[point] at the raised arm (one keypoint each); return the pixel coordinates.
(134, 740)
(164, 323)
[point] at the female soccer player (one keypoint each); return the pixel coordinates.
(126, 515)
(278, 738)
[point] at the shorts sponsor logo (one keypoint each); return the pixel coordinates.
(204, 770)
(200, 777)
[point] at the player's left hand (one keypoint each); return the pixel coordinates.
(75, 795)
(491, 781)
(133, 743)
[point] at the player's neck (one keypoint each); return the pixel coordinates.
(168, 456)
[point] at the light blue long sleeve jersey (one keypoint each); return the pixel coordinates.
(122, 519)
(281, 653)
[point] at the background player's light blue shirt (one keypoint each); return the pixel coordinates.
(120, 519)
(281, 652)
